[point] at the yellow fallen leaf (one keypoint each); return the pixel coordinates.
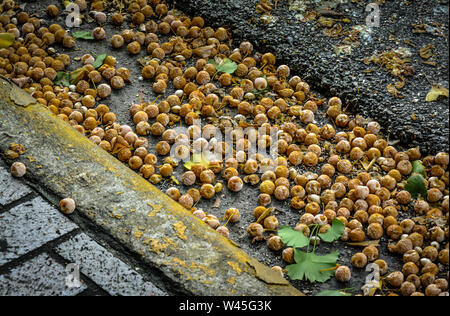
(77, 75)
(174, 180)
(264, 214)
(197, 159)
(6, 40)
(371, 287)
(436, 91)
(66, 3)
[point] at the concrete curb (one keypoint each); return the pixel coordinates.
(194, 257)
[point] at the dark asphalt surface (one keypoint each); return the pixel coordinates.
(311, 54)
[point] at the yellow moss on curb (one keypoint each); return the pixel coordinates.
(180, 228)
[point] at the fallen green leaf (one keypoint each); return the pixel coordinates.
(334, 232)
(99, 61)
(416, 186)
(312, 267)
(418, 168)
(227, 66)
(86, 35)
(292, 238)
(62, 79)
(436, 91)
(6, 40)
(260, 92)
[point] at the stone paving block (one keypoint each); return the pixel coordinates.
(107, 271)
(11, 189)
(29, 226)
(40, 276)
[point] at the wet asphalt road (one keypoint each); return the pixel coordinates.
(311, 54)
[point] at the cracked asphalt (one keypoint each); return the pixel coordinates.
(294, 33)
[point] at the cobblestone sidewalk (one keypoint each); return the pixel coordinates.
(43, 252)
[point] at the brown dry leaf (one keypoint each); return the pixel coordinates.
(421, 220)
(392, 90)
(327, 22)
(410, 43)
(429, 63)
(144, 61)
(424, 220)
(436, 91)
(419, 28)
(426, 51)
(334, 32)
(204, 51)
(399, 84)
(264, 6)
(397, 62)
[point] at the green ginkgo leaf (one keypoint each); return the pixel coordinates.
(312, 267)
(417, 167)
(99, 61)
(62, 79)
(292, 238)
(226, 66)
(416, 186)
(334, 232)
(86, 35)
